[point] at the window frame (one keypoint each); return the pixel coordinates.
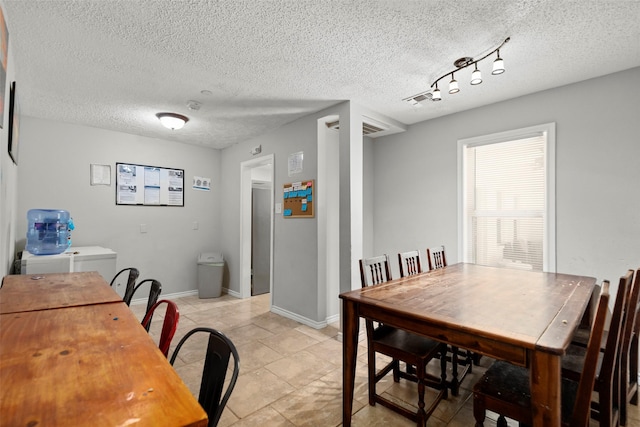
(549, 222)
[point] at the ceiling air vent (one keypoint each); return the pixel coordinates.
(368, 128)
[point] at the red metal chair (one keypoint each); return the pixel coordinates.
(169, 325)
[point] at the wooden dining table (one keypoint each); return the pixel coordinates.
(526, 318)
(30, 292)
(90, 364)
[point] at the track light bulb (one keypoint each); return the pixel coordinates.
(436, 95)
(453, 85)
(476, 76)
(498, 65)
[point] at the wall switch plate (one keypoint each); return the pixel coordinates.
(143, 228)
(195, 225)
(278, 207)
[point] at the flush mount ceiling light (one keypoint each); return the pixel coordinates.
(172, 121)
(460, 64)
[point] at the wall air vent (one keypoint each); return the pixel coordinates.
(368, 128)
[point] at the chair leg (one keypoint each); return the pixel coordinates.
(443, 372)
(633, 366)
(455, 383)
(396, 370)
(372, 377)
(478, 410)
(422, 415)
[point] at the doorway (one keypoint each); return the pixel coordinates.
(256, 175)
(260, 235)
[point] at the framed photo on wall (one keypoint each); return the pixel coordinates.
(14, 124)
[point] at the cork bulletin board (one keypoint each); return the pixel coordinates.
(298, 199)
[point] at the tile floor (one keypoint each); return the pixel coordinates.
(291, 374)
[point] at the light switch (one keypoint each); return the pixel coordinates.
(143, 228)
(278, 207)
(195, 225)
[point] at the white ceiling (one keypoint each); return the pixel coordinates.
(114, 64)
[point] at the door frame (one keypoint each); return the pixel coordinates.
(245, 223)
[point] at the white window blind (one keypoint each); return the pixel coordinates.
(505, 202)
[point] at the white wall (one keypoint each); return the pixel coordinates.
(597, 180)
(8, 180)
(295, 267)
(55, 159)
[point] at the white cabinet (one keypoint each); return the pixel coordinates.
(87, 258)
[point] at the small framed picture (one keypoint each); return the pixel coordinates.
(14, 124)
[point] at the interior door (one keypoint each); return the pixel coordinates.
(260, 241)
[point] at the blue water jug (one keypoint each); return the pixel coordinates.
(47, 231)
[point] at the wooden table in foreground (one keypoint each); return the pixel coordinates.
(29, 292)
(526, 318)
(91, 365)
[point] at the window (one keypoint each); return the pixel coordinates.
(507, 199)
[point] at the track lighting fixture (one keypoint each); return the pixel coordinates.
(460, 64)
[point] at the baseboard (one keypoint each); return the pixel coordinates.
(293, 316)
(140, 301)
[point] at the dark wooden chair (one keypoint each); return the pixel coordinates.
(409, 263)
(505, 388)
(216, 364)
(607, 383)
(155, 288)
(131, 274)
(632, 386)
(169, 324)
(629, 355)
(437, 259)
(400, 345)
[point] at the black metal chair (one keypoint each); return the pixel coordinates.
(154, 292)
(219, 352)
(132, 276)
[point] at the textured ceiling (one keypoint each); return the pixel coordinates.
(114, 64)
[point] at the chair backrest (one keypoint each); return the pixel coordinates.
(375, 270)
(582, 405)
(154, 292)
(409, 263)
(169, 325)
(133, 274)
(608, 376)
(219, 351)
(436, 257)
(631, 317)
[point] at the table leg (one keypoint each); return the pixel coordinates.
(546, 389)
(351, 327)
